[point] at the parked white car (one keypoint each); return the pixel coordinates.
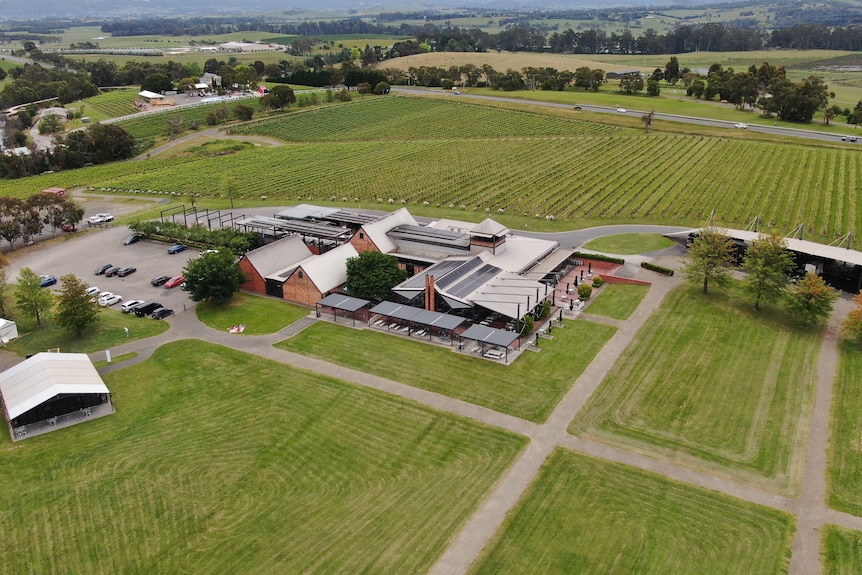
(101, 218)
(92, 291)
(105, 295)
(128, 305)
(111, 300)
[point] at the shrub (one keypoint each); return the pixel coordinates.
(598, 258)
(544, 309)
(525, 325)
(598, 282)
(585, 291)
(657, 269)
(343, 96)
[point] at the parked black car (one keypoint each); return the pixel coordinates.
(147, 308)
(162, 313)
(134, 238)
(111, 272)
(126, 271)
(159, 280)
(103, 268)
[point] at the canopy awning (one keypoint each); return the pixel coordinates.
(481, 333)
(418, 315)
(343, 302)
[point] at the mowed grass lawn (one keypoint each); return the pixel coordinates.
(627, 244)
(710, 382)
(617, 301)
(845, 449)
(220, 462)
(841, 550)
(259, 314)
(529, 388)
(587, 516)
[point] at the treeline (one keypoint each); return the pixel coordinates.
(23, 219)
(97, 144)
(216, 26)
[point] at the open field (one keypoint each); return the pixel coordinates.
(595, 175)
(627, 244)
(617, 301)
(841, 551)
(712, 384)
(260, 315)
(845, 449)
(529, 388)
(583, 515)
(107, 105)
(217, 461)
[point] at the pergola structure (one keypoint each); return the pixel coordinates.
(483, 336)
(343, 303)
(414, 316)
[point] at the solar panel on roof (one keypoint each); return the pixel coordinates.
(476, 280)
(437, 270)
(458, 273)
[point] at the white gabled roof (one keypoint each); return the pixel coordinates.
(150, 95)
(45, 375)
(278, 255)
(377, 230)
(329, 270)
(489, 227)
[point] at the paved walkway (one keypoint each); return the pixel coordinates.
(809, 508)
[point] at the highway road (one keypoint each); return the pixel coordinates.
(763, 128)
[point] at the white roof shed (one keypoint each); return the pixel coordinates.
(8, 330)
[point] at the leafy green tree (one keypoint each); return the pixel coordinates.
(76, 310)
(811, 299)
(381, 89)
(243, 113)
(50, 124)
(631, 83)
(709, 258)
(33, 301)
(157, 83)
(214, 277)
(652, 88)
(228, 186)
(767, 263)
(852, 326)
(284, 94)
(10, 219)
(372, 275)
(671, 71)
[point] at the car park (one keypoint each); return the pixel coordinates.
(126, 271)
(741, 125)
(174, 282)
(177, 248)
(47, 281)
(129, 305)
(112, 271)
(110, 300)
(162, 313)
(848, 138)
(159, 280)
(147, 308)
(103, 268)
(132, 239)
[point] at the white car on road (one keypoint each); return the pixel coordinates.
(621, 110)
(101, 218)
(741, 125)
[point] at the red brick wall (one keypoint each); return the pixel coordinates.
(363, 243)
(618, 280)
(301, 289)
(255, 281)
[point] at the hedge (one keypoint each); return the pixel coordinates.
(657, 269)
(599, 258)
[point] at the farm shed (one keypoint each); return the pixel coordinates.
(151, 97)
(52, 390)
(620, 73)
(8, 330)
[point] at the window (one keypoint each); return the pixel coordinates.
(361, 235)
(300, 275)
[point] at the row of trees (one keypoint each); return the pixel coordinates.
(73, 308)
(24, 219)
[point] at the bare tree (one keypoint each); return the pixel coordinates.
(647, 120)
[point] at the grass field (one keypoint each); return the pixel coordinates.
(711, 383)
(105, 106)
(115, 359)
(627, 244)
(845, 448)
(587, 516)
(259, 314)
(220, 462)
(104, 334)
(529, 388)
(841, 551)
(617, 301)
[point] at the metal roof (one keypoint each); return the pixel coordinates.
(343, 302)
(549, 264)
(294, 226)
(418, 315)
(45, 375)
(428, 235)
(304, 212)
(348, 217)
(278, 255)
(490, 335)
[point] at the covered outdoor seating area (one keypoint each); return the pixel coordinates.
(410, 321)
(342, 303)
(499, 341)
